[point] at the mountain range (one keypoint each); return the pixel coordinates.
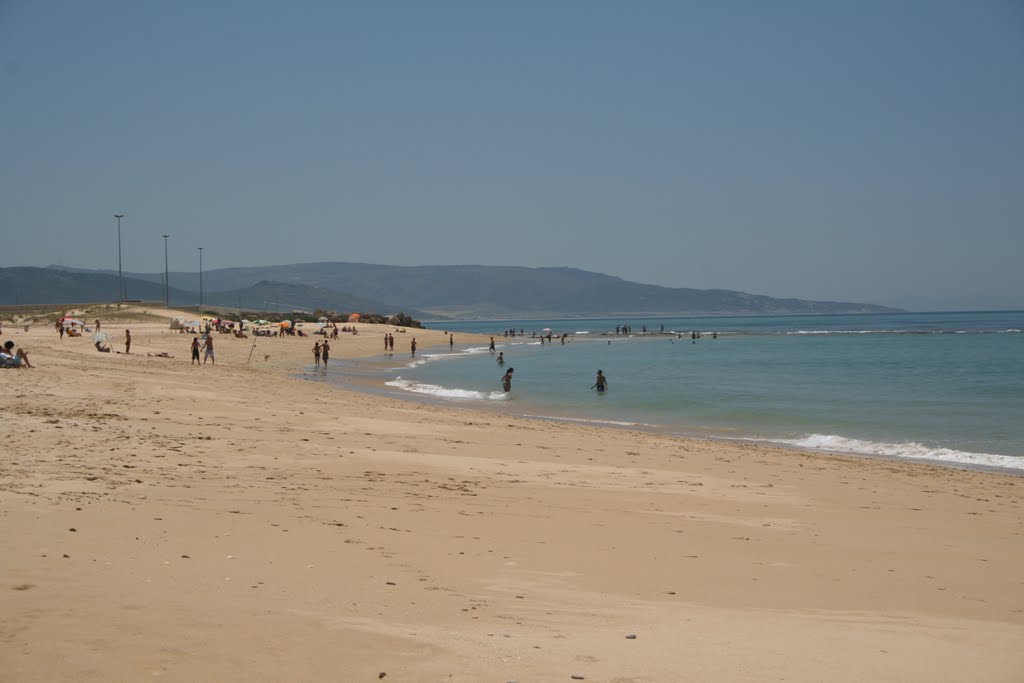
(461, 291)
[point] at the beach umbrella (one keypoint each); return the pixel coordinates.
(286, 323)
(100, 338)
(323, 320)
(262, 322)
(546, 329)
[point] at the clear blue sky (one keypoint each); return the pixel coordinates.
(861, 150)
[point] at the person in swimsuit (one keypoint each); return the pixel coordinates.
(601, 383)
(501, 358)
(325, 352)
(316, 353)
(506, 381)
(195, 350)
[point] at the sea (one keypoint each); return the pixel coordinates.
(941, 387)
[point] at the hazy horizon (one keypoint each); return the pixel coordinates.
(866, 152)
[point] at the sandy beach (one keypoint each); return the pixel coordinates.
(162, 521)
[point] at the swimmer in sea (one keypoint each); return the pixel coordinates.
(506, 381)
(501, 358)
(601, 383)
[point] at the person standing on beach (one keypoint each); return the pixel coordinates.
(208, 350)
(195, 350)
(451, 342)
(601, 383)
(385, 342)
(97, 324)
(325, 352)
(127, 341)
(506, 380)
(413, 346)
(491, 348)
(316, 354)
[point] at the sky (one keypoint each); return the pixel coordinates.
(867, 150)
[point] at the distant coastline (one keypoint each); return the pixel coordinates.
(423, 292)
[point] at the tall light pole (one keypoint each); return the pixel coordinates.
(200, 276)
(120, 278)
(167, 283)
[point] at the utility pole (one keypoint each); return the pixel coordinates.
(121, 294)
(167, 282)
(200, 276)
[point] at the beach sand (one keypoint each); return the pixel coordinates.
(161, 521)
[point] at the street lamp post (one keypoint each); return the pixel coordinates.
(200, 276)
(167, 282)
(120, 277)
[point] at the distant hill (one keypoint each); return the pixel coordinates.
(64, 286)
(481, 291)
(56, 286)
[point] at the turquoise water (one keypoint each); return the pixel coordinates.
(947, 387)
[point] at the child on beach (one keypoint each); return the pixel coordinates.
(195, 350)
(208, 353)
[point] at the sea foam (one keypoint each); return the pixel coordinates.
(910, 450)
(446, 392)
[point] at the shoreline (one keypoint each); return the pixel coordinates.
(375, 382)
(235, 523)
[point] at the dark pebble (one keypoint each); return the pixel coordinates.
(392, 583)
(72, 529)
(576, 677)
(631, 636)
(66, 555)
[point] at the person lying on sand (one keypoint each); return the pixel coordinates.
(162, 354)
